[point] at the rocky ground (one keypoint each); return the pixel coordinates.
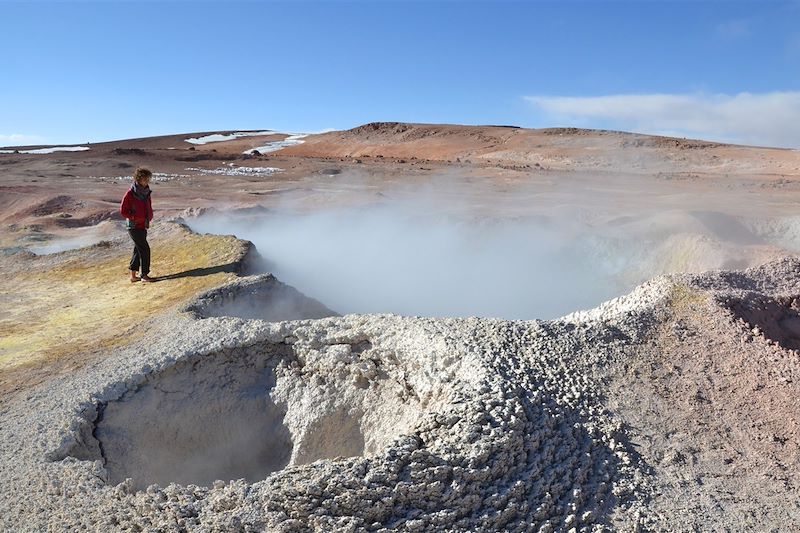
(672, 408)
(236, 403)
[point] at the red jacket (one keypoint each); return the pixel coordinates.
(139, 213)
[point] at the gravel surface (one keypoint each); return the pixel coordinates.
(671, 408)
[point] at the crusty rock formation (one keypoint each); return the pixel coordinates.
(384, 423)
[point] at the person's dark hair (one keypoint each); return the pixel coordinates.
(142, 173)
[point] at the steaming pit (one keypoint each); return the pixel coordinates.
(416, 258)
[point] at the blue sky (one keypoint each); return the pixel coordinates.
(89, 71)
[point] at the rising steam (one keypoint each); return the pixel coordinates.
(389, 259)
(440, 252)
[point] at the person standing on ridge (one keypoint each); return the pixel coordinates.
(137, 209)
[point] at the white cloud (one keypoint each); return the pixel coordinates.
(19, 139)
(769, 119)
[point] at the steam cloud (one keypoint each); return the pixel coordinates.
(392, 260)
(444, 251)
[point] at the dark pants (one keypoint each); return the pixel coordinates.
(141, 252)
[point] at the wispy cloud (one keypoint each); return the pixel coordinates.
(793, 46)
(769, 119)
(19, 139)
(733, 29)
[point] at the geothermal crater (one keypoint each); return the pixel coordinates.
(471, 424)
(198, 421)
(248, 411)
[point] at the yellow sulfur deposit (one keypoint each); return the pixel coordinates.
(82, 299)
